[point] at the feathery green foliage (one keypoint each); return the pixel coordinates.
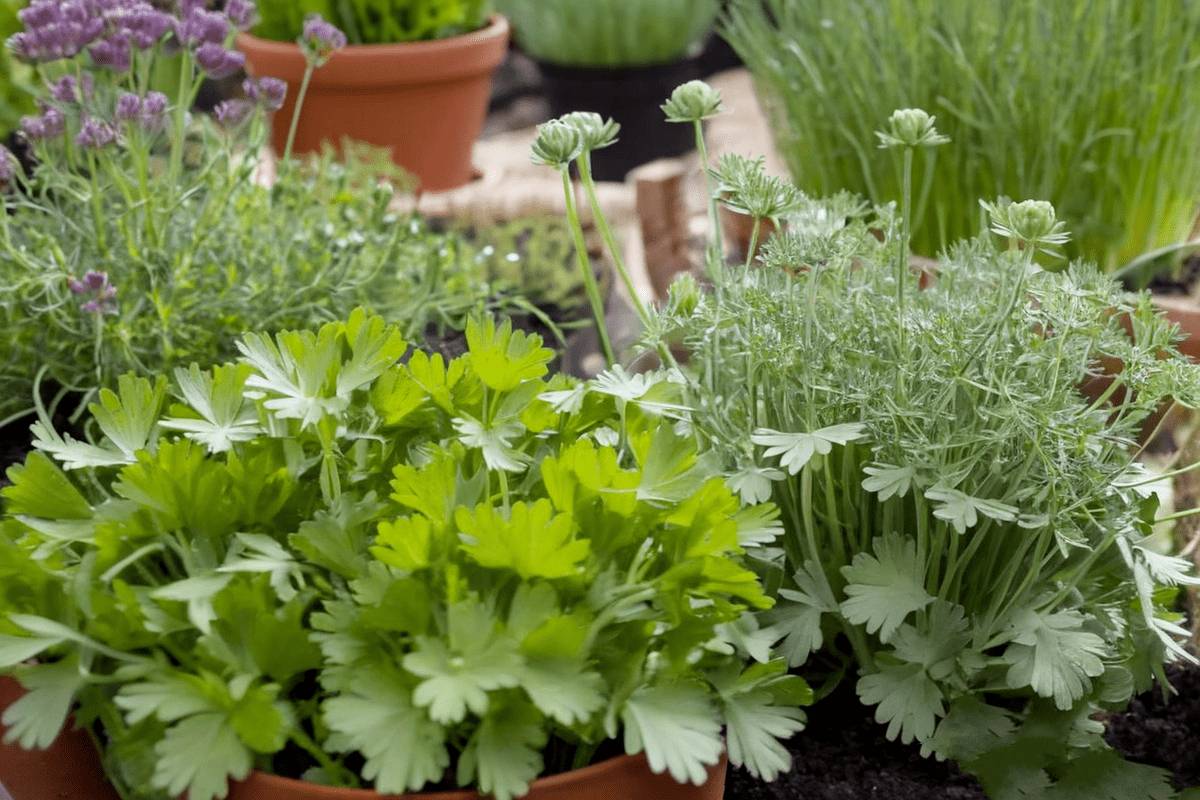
(375, 21)
(400, 575)
(967, 531)
(609, 33)
(1093, 105)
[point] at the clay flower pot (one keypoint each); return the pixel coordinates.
(1185, 312)
(69, 770)
(425, 101)
(623, 778)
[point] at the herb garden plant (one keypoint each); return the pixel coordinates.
(403, 574)
(1093, 105)
(967, 534)
(146, 238)
(374, 21)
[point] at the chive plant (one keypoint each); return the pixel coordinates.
(966, 533)
(1093, 105)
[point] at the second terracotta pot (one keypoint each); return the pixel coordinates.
(424, 101)
(623, 778)
(68, 770)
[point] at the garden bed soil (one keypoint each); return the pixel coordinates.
(843, 754)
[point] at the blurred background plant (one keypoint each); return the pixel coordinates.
(1093, 105)
(375, 21)
(16, 91)
(609, 33)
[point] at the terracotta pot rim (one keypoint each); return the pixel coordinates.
(575, 776)
(467, 54)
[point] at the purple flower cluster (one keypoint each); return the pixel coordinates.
(320, 39)
(95, 134)
(217, 62)
(72, 92)
(50, 124)
(108, 29)
(111, 30)
(269, 93)
(102, 295)
(147, 112)
(265, 93)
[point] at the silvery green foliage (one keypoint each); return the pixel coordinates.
(966, 529)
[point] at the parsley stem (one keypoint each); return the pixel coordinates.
(334, 770)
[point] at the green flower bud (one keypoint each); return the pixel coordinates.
(1033, 223)
(683, 295)
(744, 187)
(911, 127)
(596, 132)
(692, 102)
(557, 144)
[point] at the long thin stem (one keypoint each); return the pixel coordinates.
(610, 241)
(291, 137)
(902, 256)
(614, 249)
(585, 268)
(716, 239)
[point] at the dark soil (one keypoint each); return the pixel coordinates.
(843, 755)
(1164, 733)
(1182, 282)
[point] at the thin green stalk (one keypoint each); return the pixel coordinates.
(755, 232)
(291, 137)
(585, 268)
(716, 238)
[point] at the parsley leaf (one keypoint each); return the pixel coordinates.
(884, 588)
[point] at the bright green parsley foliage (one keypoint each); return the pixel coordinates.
(342, 554)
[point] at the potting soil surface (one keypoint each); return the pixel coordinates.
(843, 754)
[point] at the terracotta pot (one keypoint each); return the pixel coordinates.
(624, 778)
(69, 770)
(1185, 312)
(425, 101)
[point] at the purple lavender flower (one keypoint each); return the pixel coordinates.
(49, 124)
(217, 62)
(66, 90)
(95, 134)
(115, 52)
(129, 107)
(58, 29)
(232, 113)
(268, 93)
(154, 111)
(33, 128)
(8, 167)
(95, 286)
(320, 39)
(198, 26)
(242, 13)
(146, 25)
